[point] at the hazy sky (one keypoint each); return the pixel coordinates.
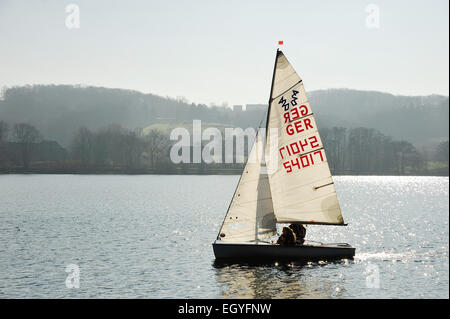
(223, 51)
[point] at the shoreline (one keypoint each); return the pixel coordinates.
(230, 171)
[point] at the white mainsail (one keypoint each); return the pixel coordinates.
(300, 180)
(250, 216)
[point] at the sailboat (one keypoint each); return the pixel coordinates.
(286, 180)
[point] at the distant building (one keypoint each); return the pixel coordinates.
(237, 108)
(256, 107)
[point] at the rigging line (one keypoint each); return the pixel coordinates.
(286, 91)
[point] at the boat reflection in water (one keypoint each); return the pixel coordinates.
(278, 280)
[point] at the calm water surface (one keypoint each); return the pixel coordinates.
(150, 237)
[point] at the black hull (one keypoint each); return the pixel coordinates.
(252, 252)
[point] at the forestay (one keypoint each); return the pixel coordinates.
(301, 185)
(250, 216)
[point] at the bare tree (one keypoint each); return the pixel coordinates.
(442, 152)
(115, 143)
(133, 148)
(26, 135)
(404, 150)
(3, 141)
(4, 128)
(82, 146)
(156, 145)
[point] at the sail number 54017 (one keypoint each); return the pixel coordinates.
(304, 161)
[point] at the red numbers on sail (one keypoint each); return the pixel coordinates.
(299, 146)
(304, 151)
(304, 161)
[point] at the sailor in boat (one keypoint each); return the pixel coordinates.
(287, 237)
(300, 232)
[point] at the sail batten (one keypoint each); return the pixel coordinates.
(300, 180)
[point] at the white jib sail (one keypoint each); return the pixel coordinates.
(250, 216)
(301, 185)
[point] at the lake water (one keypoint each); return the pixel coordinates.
(150, 237)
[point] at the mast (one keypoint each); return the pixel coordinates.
(271, 90)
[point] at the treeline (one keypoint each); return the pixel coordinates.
(58, 111)
(358, 151)
(416, 119)
(24, 144)
(115, 146)
(369, 152)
